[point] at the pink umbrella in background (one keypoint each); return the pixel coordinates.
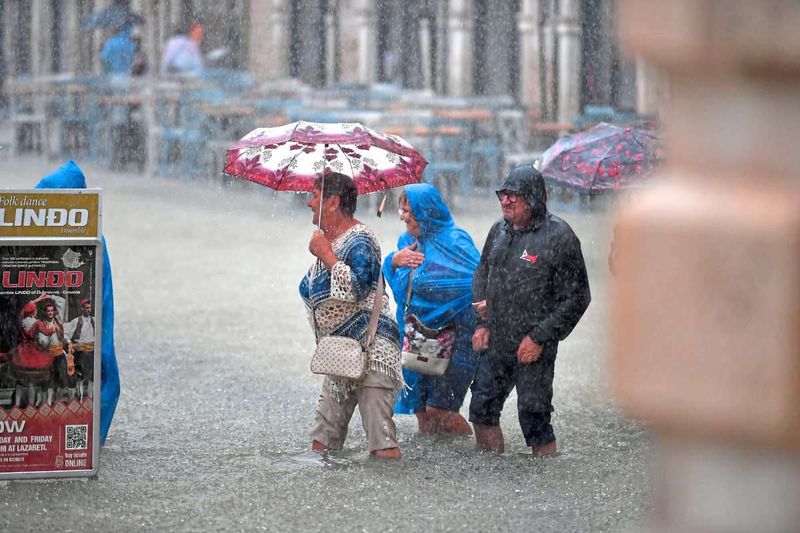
(294, 156)
(603, 158)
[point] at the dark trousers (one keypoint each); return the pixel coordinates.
(63, 379)
(84, 362)
(498, 373)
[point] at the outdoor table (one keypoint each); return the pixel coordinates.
(470, 114)
(29, 101)
(226, 121)
(424, 131)
(371, 119)
(270, 120)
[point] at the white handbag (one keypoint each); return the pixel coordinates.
(341, 357)
(345, 357)
(425, 350)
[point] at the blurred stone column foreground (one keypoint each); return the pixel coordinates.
(707, 296)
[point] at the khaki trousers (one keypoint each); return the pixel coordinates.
(375, 396)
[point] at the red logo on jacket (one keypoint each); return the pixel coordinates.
(529, 258)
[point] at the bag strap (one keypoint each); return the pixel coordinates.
(376, 311)
(313, 307)
(408, 289)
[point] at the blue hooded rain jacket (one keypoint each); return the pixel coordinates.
(442, 285)
(70, 176)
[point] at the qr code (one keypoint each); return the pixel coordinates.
(77, 437)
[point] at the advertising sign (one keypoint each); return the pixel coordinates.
(50, 293)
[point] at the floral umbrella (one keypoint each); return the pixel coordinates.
(294, 156)
(603, 158)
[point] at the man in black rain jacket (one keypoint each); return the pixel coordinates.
(531, 289)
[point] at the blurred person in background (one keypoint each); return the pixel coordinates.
(182, 52)
(118, 52)
(139, 67)
(440, 258)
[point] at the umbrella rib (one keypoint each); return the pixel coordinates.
(347, 158)
(288, 167)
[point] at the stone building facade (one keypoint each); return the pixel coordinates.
(553, 56)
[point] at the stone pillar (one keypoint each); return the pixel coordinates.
(331, 44)
(176, 16)
(100, 36)
(598, 57)
(547, 73)
(530, 93)
(426, 52)
(38, 36)
(269, 38)
(652, 88)
(153, 37)
(459, 59)
(440, 52)
(568, 32)
(359, 46)
(496, 46)
(8, 48)
(307, 50)
(707, 291)
(70, 32)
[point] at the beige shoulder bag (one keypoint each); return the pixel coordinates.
(345, 357)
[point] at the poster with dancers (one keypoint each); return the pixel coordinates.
(50, 274)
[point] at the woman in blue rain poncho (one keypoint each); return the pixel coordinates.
(445, 259)
(70, 176)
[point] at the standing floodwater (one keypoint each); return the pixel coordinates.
(214, 346)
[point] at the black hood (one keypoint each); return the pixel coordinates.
(528, 182)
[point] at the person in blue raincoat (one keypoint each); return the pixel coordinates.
(119, 51)
(445, 258)
(70, 176)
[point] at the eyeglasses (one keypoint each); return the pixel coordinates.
(512, 196)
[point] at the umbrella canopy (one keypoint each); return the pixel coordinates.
(603, 158)
(114, 16)
(294, 156)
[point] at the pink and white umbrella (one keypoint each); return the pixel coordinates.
(294, 156)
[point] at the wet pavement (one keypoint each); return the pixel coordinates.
(211, 429)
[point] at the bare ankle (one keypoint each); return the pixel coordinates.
(545, 450)
(388, 453)
(489, 438)
(318, 446)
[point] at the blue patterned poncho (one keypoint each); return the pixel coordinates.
(442, 285)
(343, 299)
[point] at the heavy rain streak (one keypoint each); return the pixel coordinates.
(208, 229)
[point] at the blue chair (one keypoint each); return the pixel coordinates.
(448, 162)
(79, 118)
(310, 115)
(487, 153)
(278, 107)
(231, 82)
(183, 129)
(594, 114)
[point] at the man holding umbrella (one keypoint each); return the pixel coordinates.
(531, 289)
